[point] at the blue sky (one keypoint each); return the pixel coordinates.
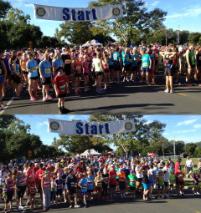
(179, 127)
(182, 14)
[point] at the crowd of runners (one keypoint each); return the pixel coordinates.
(80, 181)
(77, 70)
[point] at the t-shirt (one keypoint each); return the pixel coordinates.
(138, 172)
(60, 81)
(132, 179)
(67, 63)
(177, 168)
(112, 177)
(57, 63)
(191, 56)
(97, 65)
(90, 183)
(32, 67)
(71, 182)
(83, 185)
(189, 163)
(46, 69)
(116, 56)
(59, 183)
(146, 61)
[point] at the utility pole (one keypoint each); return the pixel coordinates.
(174, 148)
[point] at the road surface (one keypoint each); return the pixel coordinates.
(138, 99)
(185, 205)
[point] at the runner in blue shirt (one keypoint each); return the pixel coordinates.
(146, 65)
(45, 69)
(32, 68)
(57, 62)
(126, 59)
(83, 186)
(117, 64)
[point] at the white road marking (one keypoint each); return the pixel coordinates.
(7, 105)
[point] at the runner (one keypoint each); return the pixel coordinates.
(33, 76)
(3, 76)
(146, 65)
(61, 86)
(45, 69)
(191, 64)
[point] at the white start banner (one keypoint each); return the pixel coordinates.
(78, 14)
(91, 128)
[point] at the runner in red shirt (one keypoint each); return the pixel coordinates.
(61, 87)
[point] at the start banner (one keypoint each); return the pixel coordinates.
(78, 14)
(91, 128)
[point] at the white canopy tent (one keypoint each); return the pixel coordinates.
(92, 43)
(90, 152)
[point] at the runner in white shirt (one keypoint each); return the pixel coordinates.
(97, 66)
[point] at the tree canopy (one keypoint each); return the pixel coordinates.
(16, 141)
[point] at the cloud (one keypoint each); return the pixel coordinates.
(197, 126)
(154, 3)
(184, 131)
(188, 12)
(43, 123)
(187, 122)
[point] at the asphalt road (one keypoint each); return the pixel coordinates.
(138, 99)
(185, 205)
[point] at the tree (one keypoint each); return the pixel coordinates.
(47, 41)
(4, 8)
(75, 32)
(195, 38)
(136, 23)
(197, 152)
(190, 148)
(16, 141)
(140, 141)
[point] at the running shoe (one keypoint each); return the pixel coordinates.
(32, 99)
(166, 91)
(49, 98)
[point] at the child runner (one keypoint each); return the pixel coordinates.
(122, 183)
(9, 190)
(105, 183)
(21, 185)
(61, 86)
(83, 186)
(98, 184)
(71, 183)
(196, 180)
(132, 182)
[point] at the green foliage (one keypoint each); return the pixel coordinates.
(190, 148)
(195, 38)
(16, 141)
(4, 7)
(77, 144)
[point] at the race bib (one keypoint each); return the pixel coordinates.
(68, 61)
(62, 88)
(47, 71)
